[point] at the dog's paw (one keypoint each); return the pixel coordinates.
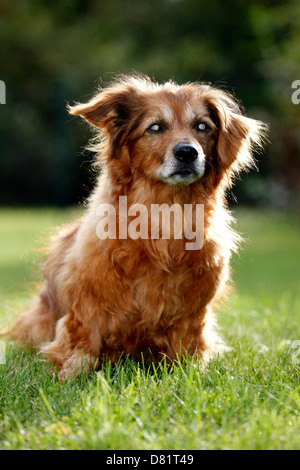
(76, 365)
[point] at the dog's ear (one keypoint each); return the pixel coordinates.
(238, 135)
(109, 108)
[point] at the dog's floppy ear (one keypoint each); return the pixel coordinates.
(108, 108)
(238, 135)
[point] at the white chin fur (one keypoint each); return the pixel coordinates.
(166, 171)
(180, 179)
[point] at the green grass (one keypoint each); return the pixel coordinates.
(248, 399)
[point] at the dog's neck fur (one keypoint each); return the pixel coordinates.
(217, 219)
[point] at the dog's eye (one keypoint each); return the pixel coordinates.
(156, 127)
(202, 126)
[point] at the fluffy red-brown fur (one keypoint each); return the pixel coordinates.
(153, 297)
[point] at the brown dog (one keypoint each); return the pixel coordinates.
(148, 295)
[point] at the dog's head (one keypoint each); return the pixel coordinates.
(178, 135)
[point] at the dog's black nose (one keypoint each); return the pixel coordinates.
(185, 153)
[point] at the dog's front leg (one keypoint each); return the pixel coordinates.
(76, 346)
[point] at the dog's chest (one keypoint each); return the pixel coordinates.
(167, 286)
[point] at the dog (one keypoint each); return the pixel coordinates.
(146, 297)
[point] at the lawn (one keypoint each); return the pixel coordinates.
(248, 399)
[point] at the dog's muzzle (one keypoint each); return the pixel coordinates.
(185, 156)
(184, 165)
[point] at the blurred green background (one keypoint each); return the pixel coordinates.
(53, 53)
